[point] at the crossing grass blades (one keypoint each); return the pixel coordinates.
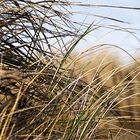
(43, 95)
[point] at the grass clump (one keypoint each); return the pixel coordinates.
(46, 93)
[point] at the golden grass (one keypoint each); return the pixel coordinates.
(91, 98)
(117, 83)
(48, 93)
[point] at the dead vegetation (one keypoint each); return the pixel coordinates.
(46, 93)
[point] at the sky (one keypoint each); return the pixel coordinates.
(128, 41)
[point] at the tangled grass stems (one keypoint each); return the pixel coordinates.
(46, 93)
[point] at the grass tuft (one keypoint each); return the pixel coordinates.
(47, 92)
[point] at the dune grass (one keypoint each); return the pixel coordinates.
(49, 93)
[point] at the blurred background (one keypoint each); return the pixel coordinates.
(116, 23)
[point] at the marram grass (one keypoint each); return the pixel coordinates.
(48, 93)
(98, 102)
